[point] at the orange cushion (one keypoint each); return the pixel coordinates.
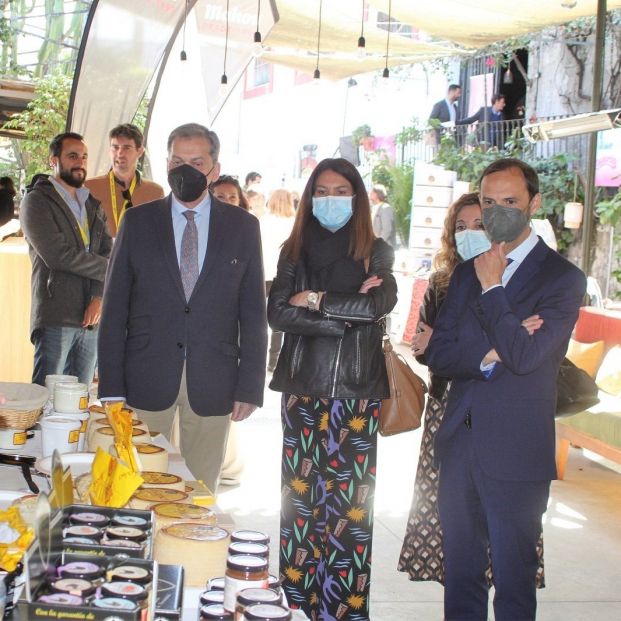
(586, 356)
(609, 374)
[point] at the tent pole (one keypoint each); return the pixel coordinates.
(596, 104)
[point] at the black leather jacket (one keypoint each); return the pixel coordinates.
(428, 313)
(335, 352)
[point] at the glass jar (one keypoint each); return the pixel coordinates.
(266, 612)
(248, 597)
(243, 572)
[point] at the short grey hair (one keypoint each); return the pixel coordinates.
(191, 130)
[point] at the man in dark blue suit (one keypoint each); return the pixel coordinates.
(184, 321)
(446, 110)
(493, 116)
(495, 447)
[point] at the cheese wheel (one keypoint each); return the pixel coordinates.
(100, 422)
(152, 457)
(81, 485)
(167, 513)
(104, 438)
(201, 549)
(145, 498)
(162, 479)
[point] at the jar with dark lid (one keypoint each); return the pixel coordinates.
(245, 547)
(243, 572)
(266, 612)
(89, 518)
(130, 520)
(248, 597)
(250, 536)
(129, 573)
(211, 597)
(125, 532)
(215, 584)
(74, 586)
(215, 612)
(125, 590)
(81, 569)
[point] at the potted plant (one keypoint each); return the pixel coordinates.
(362, 136)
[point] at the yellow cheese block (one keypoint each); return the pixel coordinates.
(162, 479)
(167, 513)
(152, 457)
(145, 498)
(201, 549)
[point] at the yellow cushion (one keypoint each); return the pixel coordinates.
(609, 374)
(586, 356)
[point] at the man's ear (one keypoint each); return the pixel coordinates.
(140, 151)
(535, 203)
(53, 162)
(215, 173)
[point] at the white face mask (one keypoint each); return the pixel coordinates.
(471, 243)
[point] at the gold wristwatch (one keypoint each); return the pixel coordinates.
(311, 300)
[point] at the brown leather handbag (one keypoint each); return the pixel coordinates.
(404, 410)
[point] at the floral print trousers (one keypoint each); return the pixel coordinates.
(326, 523)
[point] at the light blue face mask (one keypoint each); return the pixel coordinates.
(333, 212)
(471, 243)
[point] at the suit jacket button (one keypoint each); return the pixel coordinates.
(187, 309)
(180, 345)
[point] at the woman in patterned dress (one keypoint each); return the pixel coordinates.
(333, 287)
(462, 238)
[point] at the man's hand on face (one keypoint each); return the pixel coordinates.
(490, 266)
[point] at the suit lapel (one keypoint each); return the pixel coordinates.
(527, 269)
(166, 234)
(214, 241)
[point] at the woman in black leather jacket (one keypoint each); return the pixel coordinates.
(334, 285)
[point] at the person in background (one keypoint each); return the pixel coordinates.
(383, 215)
(252, 178)
(446, 110)
(495, 445)
(333, 286)
(7, 200)
(227, 189)
(276, 225)
(123, 186)
(183, 323)
(69, 246)
(492, 115)
(462, 239)
(256, 202)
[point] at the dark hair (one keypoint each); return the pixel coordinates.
(127, 130)
(56, 146)
(7, 184)
(362, 237)
(447, 259)
(192, 130)
(530, 176)
(230, 180)
(251, 176)
(497, 97)
(454, 87)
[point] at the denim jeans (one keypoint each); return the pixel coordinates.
(64, 350)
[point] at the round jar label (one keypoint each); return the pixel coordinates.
(114, 603)
(124, 589)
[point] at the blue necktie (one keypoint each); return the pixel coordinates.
(189, 254)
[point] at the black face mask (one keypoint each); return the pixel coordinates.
(187, 183)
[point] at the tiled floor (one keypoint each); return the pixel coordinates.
(582, 530)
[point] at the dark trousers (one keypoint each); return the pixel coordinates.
(477, 510)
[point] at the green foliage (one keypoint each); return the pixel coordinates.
(609, 211)
(410, 134)
(44, 117)
(557, 180)
(363, 131)
(398, 181)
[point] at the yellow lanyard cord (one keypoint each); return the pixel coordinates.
(118, 216)
(85, 232)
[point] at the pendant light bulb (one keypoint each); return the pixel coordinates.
(386, 73)
(362, 48)
(224, 81)
(183, 55)
(316, 74)
(257, 45)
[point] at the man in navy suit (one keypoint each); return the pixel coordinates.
(493, 115)
(184, 322)
(446, 109)
(495, 447)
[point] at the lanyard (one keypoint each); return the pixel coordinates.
(85, 232)
(115, 211)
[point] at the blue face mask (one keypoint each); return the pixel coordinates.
(471, 243)
(333, 212)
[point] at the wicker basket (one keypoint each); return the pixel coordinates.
(23, 406)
